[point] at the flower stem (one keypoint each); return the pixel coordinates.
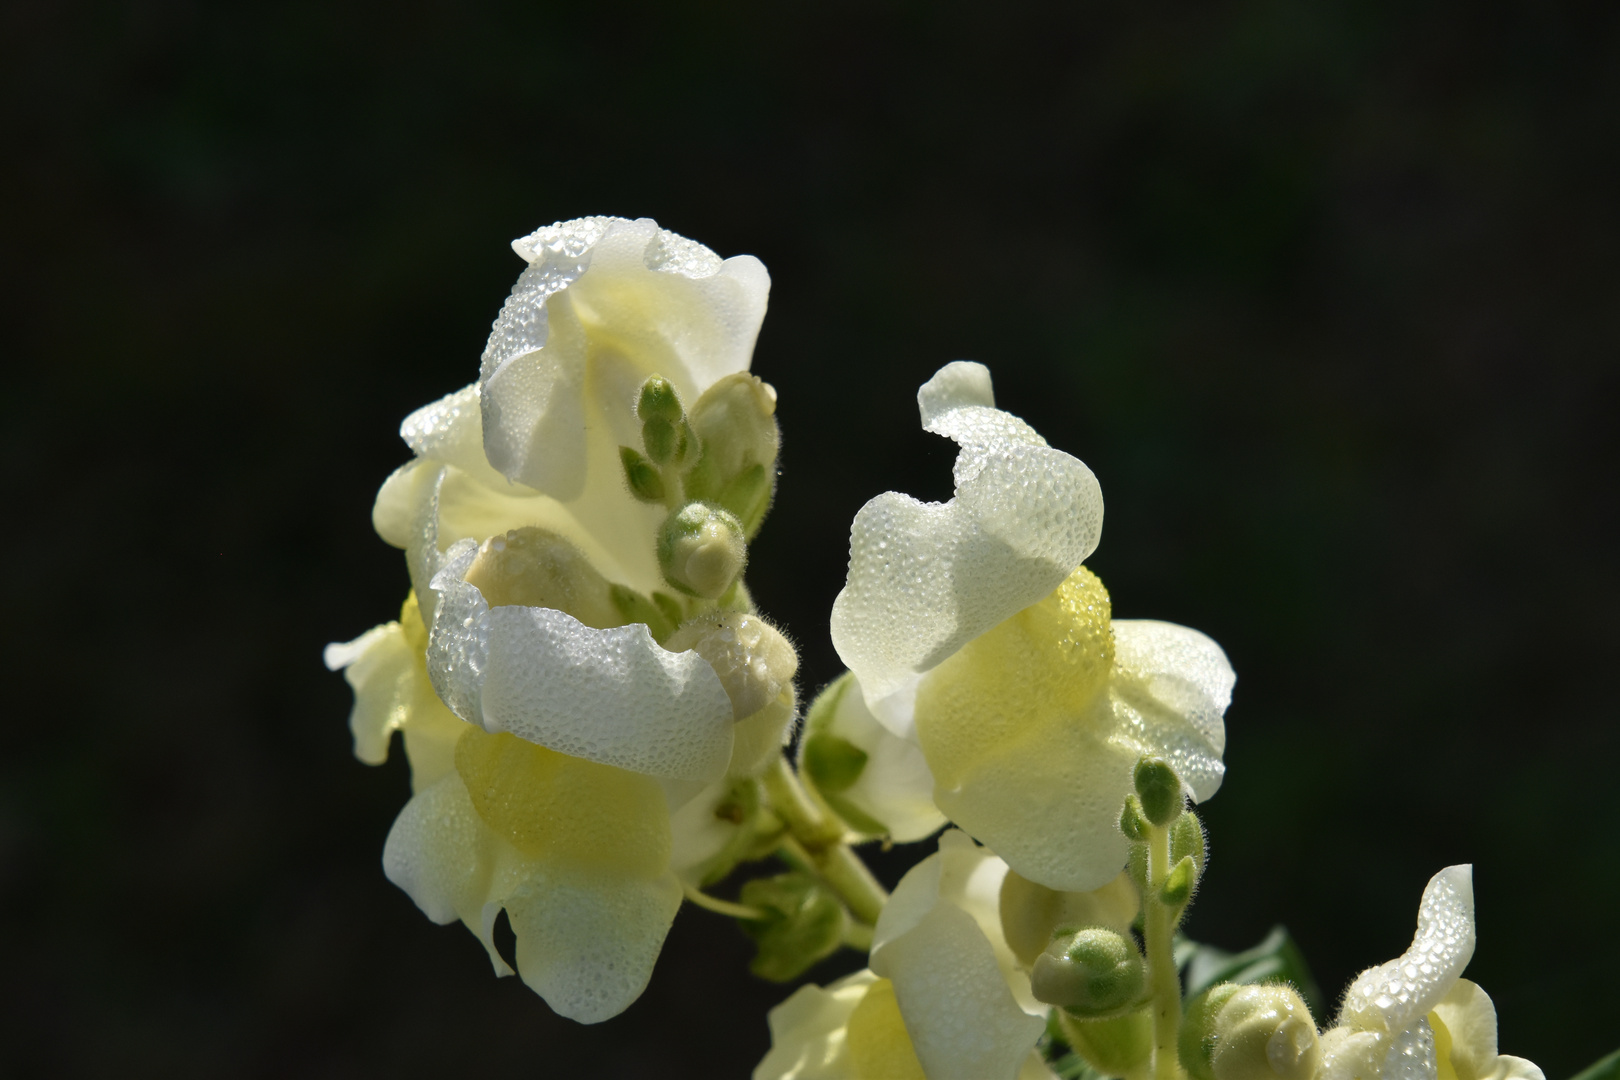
(816, 840)
(1163, 980)
(722, 907)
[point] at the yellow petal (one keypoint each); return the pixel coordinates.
(879, 1047)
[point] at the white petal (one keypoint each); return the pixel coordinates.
(1393, 997)
(381, 669)
(433, 851)
(608, 301)
(1147, 725)
(1470, 1020)
(1411, 1055)
(807, 1031)
(610, 696)
(926, 578)
(587, 942)
(451, 431)
(1508, 1067)
(963, 1021)
(1182, 668)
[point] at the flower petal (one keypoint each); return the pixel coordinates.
(1182, 668)
(604, 303)
(451, 432)
(441, 854)
(808, 1037)
(1469, 1020)
(963, 1021)
(926, 578)
(587, 942)
(1411, 1055)
(1393, 997)
(609, 696)
(378, 665)
(895, 788)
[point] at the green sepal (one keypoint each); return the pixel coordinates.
(804, 923)
(748, 495)
(740, 807)
(833, 762)
(672, 608)
(636, 608)
(667, 443)
(1115, 1047)
(856, 818)
(1276, 959)
(1159, 788)
(644, 478)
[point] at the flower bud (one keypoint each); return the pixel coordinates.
(1131, 821)
(658, 401)
(1196, 1040)
(701, 550)
(1187, 840)
(1093, 973)
(1159, 788)
(532, 567)
(1178, 884)
(646, 482)
(735, 421)
(1264, 1032)
(1119, 1046)
(754, 661)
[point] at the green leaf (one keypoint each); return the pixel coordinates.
(1607, 1068)
(804, 923)
(1276, 959)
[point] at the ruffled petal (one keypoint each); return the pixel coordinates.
(1182, 668)
(451, 432)
(926, 578)
(808, 1036)
(1468, 1020)
(380, 668)
(605, 303)
(440, 853)
(610, 696)
(1393, 997)
(1410, 1055)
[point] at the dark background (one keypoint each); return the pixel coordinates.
(1325, 293)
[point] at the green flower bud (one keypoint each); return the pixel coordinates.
(1159, 788)
(646, 482)
(1196, 1041)
(1264, 1032)
(1119, 1046)
(803, 923)
(735, 422)
(1187, 840)
(658, 401)
(533, 567)
(667, 443)
(701, 550)
(1178, 885)
(1136, 864)
(1131, 820)
(1093, 973)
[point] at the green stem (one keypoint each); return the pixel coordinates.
(1163, 980)
(722, 907)
(816, 840)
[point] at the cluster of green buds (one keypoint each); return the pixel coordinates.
(714, 468)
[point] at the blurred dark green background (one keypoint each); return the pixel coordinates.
(1325, 292)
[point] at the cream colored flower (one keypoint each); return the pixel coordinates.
(943, 999)
(976, 634)
(553, 738)
(1415, 1018)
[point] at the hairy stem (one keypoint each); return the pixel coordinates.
(1164, 983)
(816, 840)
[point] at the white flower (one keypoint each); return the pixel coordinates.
(975, 633)
(943, 999)
(551, 736)
(1415, 1018)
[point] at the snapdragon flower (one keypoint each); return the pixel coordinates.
(943, 999)
(553, 738)
(1415, 1017)
(975, 633)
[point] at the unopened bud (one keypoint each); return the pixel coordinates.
(645, 480)
(1094, 973)
(658, 401)
(1159, 788)
(1118, 1046)
(533, 567)
(755, 662)
(1131, 821)
(1264, 1032)
(701, 550)
(667, 443)
(1187, 839)
(1178, 884)
(735, 421)
(1196, 1041)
